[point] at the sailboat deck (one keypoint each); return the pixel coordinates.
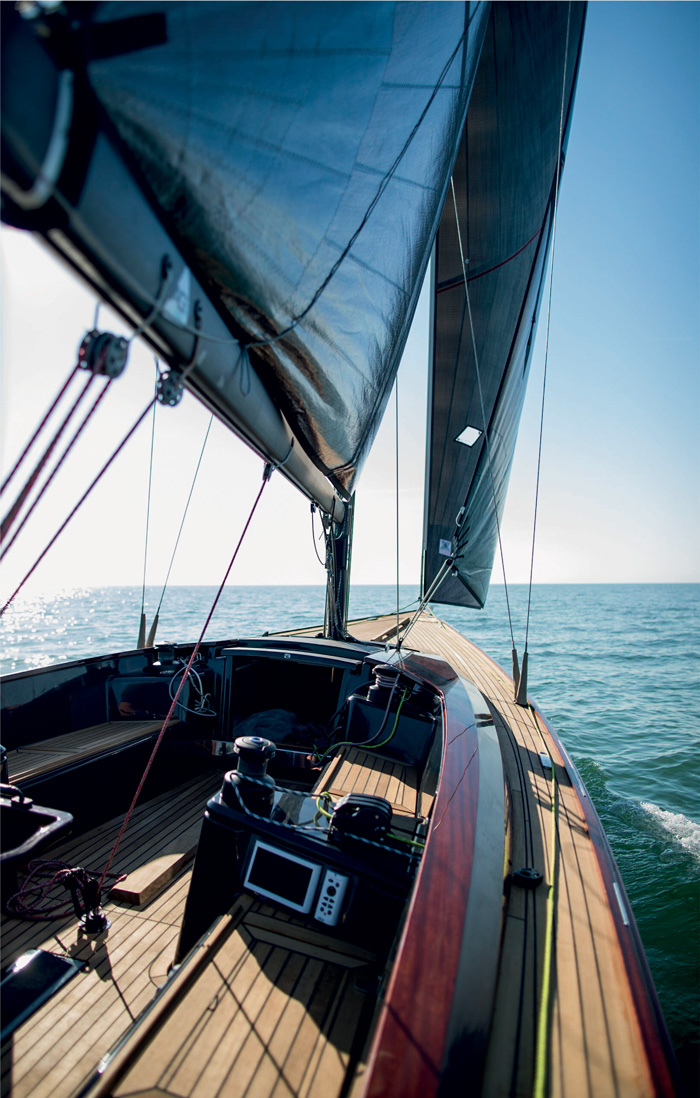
(589, 1036)
(57, 1048)
(269, 1008)
(267, 1005)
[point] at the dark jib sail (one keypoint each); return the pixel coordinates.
(504, 179)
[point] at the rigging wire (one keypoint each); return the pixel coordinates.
(184, 516)
(425, 600)
(267, 473)
(397, 504)
(79, 504)
(487, 441)
(549, 315)
(142, 626)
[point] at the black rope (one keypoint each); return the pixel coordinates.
(33, 900)
(313, 536)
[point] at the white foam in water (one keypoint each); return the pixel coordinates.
(684, 831)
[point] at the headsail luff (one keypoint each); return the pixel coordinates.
(504, 183)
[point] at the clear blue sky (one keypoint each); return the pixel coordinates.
(620, 496)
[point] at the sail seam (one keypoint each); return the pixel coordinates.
(372, 205)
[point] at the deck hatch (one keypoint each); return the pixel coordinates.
(31, 981)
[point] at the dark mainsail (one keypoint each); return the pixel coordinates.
(296, 156)
(300, 154)
(504, 177)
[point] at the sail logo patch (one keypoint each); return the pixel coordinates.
(445, 548)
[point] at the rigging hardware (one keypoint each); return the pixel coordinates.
(170, 386)
(103, 353)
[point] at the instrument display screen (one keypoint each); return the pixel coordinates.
(282, 876)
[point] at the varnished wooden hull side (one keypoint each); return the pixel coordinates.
(411, 1040)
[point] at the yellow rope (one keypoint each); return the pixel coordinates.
(540, 1081)
(319, 806)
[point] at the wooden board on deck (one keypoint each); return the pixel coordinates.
(151, 878)
(250, 1017)
(356, 771)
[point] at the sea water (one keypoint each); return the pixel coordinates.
(613, 667)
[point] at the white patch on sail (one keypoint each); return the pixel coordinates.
(686, 832)
(445, 549)
(469, 436)
(177, 307)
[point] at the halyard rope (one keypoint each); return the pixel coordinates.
(185, 675)
(57, 466)
(34, 475)
(79, 504)
(142, 627)
(39, 429)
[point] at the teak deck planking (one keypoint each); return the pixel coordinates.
(594, 1047)
(355, 771)
(33, 759)
(56, 1049)
(277, 1009)
(259, 1018)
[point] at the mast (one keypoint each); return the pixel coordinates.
(338, 560)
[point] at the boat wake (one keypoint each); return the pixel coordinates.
(685, 831)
